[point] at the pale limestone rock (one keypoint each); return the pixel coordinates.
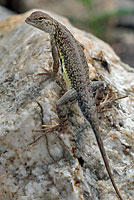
(48, 170)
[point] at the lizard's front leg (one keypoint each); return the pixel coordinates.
(55, 55)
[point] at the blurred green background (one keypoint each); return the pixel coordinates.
(111, 21)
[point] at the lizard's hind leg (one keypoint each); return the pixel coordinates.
(68, 98)
(98, 89)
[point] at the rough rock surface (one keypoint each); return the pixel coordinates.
(71, 166)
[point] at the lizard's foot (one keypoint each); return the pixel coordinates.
(108, 103)
(50, 128)
(50, 74)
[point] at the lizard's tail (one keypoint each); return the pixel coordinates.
(104, 156)
(91, 116)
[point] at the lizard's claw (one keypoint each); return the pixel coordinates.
(48, 129)
(48, 73)
(49, 126)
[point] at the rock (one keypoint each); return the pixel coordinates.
(68, 167)
(4, 12)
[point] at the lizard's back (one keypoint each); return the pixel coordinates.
(73, 56)
(76, 68)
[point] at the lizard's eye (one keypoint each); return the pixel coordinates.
(40, 18)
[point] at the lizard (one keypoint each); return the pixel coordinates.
(70, 53)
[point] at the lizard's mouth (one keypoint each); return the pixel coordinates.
(28, 21)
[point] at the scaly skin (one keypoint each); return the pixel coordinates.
(75, 72)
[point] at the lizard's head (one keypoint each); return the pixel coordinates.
(42, 21)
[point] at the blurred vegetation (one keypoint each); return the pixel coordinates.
(98, 23)
(87, 3)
